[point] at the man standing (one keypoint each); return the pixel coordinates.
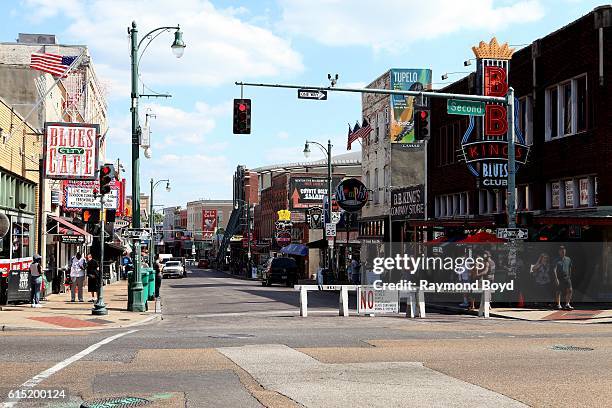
(92, 277)
(563, 279)
(157, 267)
(77, 274)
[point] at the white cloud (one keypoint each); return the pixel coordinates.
(282, 135)
(221, 48)
(392, 25)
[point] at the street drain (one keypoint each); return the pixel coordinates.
(121, 402)
(562, 347)
(231, 336)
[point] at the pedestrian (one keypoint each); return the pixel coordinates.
(77, 276)
(35, 281)
(563, 279)
(541, 272)
(93, 281)
(157, 267)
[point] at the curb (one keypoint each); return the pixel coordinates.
(147, 320)
(461, 310)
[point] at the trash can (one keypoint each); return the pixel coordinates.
(150, 284)
(144, 278)
(130, 279)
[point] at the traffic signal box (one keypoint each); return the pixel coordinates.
(91, 216)
(242, 116)
(107, 174)
(421, 125)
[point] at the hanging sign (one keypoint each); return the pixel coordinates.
(71, 151)
(351, 194)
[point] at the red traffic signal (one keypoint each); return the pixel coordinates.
(421, 125)
(242, 116)
(107, 173)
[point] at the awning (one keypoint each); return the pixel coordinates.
(579, 217)
(321, 243)
(70, 229)
(295, 249)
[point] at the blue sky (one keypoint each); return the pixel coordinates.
(279, 41)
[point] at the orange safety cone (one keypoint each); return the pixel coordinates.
(521, 300)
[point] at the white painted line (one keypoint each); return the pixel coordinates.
(266, 313)
(37, 379)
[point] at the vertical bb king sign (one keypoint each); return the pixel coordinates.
(486, 154)
(71, 151)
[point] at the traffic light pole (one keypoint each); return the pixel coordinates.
(507, 101)
(99, 308)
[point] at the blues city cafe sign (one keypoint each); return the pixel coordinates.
(486, 154)
(351, 195)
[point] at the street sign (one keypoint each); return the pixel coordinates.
(312, 94)
(512, 233)
(137, 233)
(121, 223)
(370, 300)
(330, 229)
(461, 107)
(335, 217)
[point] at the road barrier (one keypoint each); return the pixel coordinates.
(415, 302)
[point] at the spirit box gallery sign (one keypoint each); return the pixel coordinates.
(71, 151)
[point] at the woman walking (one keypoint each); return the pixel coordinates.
(92, 277)
(35, 282)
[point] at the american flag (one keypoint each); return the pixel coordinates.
(358, 132)
(54, 64)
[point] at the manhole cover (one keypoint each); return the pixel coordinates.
(562, 347)
(120, 402)
(231, 336)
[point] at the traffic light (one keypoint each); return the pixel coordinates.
(107, 173)
(421, 125)
(110, 215)
(242, 116)
(91, 216)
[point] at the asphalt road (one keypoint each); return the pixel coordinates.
(229, 342)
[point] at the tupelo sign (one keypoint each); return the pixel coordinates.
(408, 202)
(351, 194)
(71, 150)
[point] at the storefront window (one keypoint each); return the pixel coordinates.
(20, 240)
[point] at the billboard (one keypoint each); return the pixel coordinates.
(71, 151)
(209, 223)
(80, 194)
(307, 192)
(401, 129)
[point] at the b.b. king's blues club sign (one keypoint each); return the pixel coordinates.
(485, 142)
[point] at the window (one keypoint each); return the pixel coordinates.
(375, 187)
(581, 104)
(553, 120)
(556, 191)
(387, 182)
(21, 240)
(566, 108)
(526, 118)
(375, 127)
(566, 96)
(450, 205)
(569, 193)
(368, 184)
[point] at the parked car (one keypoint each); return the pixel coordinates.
(203, 263)
(280, 270)
(173, 268)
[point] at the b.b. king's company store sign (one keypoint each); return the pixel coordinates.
(486, 155)
(408, 202)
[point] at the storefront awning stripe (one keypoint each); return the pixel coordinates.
(295, 249)
(70, 226)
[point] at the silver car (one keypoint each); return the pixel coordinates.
(173, 268)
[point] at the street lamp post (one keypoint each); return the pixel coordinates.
(178, 47)
(152, 219)
(328, 152)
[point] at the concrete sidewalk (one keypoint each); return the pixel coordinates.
(58, 313)
(581, 314)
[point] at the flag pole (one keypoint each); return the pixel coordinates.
(42, 98)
